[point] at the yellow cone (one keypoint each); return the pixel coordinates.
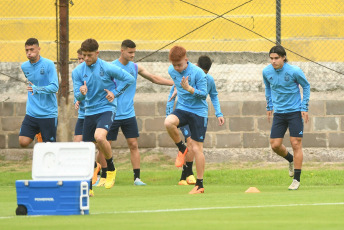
(252, 190)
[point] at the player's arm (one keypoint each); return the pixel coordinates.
(200, 90)
(215, 101)
(53, 85)
(77, 83)
(120, 74)
(269, 105)
(301, 79)
(170, 102)
(153, 78)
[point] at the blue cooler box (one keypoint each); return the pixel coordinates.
(52, 197)
(61, 174)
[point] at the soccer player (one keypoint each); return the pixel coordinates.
(94, 82)
(41, 105)
(204, 62)
(191, 109)
(125, 116)
(283, 98)
(80, 106)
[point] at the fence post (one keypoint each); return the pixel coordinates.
(278, 22)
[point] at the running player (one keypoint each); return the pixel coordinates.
(41, 105)
(192, 109)
(94, 82)
(125, 116)
(283, 99)
(204, 62)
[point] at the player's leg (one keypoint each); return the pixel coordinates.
(100, 158)
(48, 128)
(78, 130)
(131, 132)
(296, 134)
(278, 129)
(172, 122)
(187, 176)
(28, 130)
(198, 128)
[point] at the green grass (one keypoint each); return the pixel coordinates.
(318, 204)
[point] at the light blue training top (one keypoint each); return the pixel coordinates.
(99, 76)
(43, 76)
(211, 90)
(125, 103)
(282, 90)
(194, 103)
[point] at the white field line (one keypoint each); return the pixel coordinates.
(200, 209)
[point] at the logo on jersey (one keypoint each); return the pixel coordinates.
(85, 75)
(42, 70)
(287, 77)
(101, 72)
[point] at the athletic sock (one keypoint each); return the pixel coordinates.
(110, 164)
(183, 176)
(181, 146)
(91, 184)
(136, 173)
(289, 157)
(95, 164)
(189, 168)
(199, 183)
(297, 174)
(103, 173)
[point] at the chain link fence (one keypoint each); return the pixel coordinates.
(236, 34)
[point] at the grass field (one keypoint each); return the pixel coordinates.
(318, 204)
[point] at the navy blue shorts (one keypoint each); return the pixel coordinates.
(79, 126)
(283, 121)
(32, 126)
(93, 122)
(128, 127)
(197, 124)
(185, 131)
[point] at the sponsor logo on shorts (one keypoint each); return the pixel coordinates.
(301, 133)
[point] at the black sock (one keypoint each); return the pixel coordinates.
(183, 176)
(199, 183)
(289, 157)
(110, 165)
(103, 173)
(136, 173)
(95, 164)
(297, 174)
(91, 184)
(189, 171)
(181, 146)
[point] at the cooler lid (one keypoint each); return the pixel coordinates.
(63, 161)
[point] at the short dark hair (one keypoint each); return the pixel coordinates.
(89, 45)
(79, 51)
(280, 51)
(128, 44)
(204, 62)
(31, 42)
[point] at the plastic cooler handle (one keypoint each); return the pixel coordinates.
(84, 195)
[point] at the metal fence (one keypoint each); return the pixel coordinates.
(237, 34)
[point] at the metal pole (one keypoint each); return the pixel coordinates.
(64, 50)
(278, 22)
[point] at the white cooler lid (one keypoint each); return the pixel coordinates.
(63, 161)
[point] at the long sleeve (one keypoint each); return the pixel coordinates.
(213, 97)
(53, 85)
(269, 105)
(76, 86)
(120, 74)
(201, 86)
(170, 104)
(301, 79)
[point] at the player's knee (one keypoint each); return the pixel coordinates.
(296, 144)
(99, 139)
(24, 142)
(275, 146)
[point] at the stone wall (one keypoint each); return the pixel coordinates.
(244, 136)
